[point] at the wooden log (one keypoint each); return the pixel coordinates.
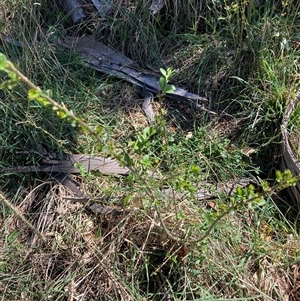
(72, 164)
(102, 6)
(61, 166)
(74, 10)
(288, 159)
(156, 6)
(107, 60)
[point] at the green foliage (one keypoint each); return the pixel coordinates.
(143, 140)
(286, 179)
(249, 193)
(44, 98)
(3, 61)
(164, 80)
(13, 77)
(39, 97)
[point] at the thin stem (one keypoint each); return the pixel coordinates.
(70, 114)
(21, 217)
(276, 188)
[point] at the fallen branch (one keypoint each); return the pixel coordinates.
(60, 167)
(74, 10)
(72, 164)
(102, 6)
(107, 60)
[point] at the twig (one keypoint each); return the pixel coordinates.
(232, 207)
(53, 103)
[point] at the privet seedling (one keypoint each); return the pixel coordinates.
(242, 195)
(164, 81)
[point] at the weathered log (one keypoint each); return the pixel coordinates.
(72, 185)
(61, 166)
(74, 10)
(147, 105)
(102, 6)
(156, 6)
(107, 60)
(288, 159)
(72, 164)
(4, 39)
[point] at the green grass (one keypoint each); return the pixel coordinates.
(244, 57)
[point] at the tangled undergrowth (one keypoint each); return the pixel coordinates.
(244, 57)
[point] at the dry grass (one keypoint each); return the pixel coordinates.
(83, 255)
(130, 257)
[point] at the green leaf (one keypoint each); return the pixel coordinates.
(11, 82)
(105, 137)
(148, 132)
(61, 114)
(194, 169)
(239, 191)
(287, 175)
(162, 83)
(157, 202)
(3, 61)
(250, 188)
(259, 202)
(278, 175)
(99, 130)
(8, 84)
(33, 94)
(48, 93)
(43, 101)
(13, 76)
(170, 72)
(169, 89)
(146, 160)
(265, 186)
(163, 72)
(127, 200)
(73, 123)
(128, 160)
